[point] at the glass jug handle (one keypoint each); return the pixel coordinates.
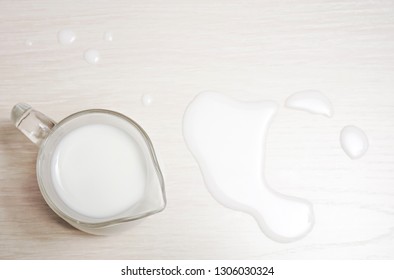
(35, 125)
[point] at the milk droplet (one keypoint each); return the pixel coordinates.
(147, 99)
(108, 36)
(227, 138)
(28, 43)
(92, 56)
(312, 101)
(66, 37)
(354, 141)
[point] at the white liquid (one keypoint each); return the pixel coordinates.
(108, 36)
(354, 141)
(66, 37)
(99, 171)
(28, 43)
(227, 138)
(312, 101)
(147, 99)
(92, 56)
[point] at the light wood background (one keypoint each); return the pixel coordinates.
(173, 50)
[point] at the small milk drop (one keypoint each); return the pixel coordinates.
(66, 37)
(147, 99)
(354, 141)
(108, 36)
(92, 56)
(28, 43)
(312, 101)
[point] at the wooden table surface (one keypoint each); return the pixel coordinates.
(173, 50)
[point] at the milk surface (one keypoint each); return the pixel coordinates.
(227, 138)
(99, 170)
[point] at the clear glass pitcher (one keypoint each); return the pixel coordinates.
(58, 179)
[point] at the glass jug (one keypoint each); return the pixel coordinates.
(96, 169)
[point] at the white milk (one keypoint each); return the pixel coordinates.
(108, 37)
(147, 100)
(354, 141)
(312, 101)
(99, 170)
(92, 56)
(227, 137)
(66, 37)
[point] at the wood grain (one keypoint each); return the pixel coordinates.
(173, 50)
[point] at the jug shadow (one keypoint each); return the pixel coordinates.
(21, 200)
